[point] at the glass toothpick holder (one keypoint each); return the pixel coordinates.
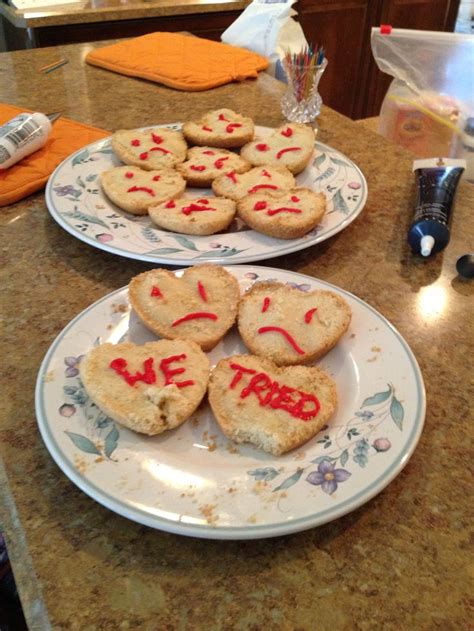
(302, 102)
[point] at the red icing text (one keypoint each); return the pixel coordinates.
(148, 376)
(271, 393)
(168, 372)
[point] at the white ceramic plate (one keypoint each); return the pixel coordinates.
(192, 480)
(76, 201)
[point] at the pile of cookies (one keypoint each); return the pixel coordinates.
(269, 398)
(257, 185)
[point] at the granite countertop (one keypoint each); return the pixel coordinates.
(398, 562)
(114, 10)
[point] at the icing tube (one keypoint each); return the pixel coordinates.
(437, 181)
(23, 135)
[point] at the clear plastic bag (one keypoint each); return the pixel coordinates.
(267, 27)
(432, 94)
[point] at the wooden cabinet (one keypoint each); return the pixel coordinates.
(352, 83)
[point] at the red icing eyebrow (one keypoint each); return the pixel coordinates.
(206, 128)
(309, 315)
(156, 138)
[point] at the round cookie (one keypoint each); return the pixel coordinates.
(290, 326)
(154, 148)
(290, 146)
(288, 215)
(204, 164)
(275, 409)
(219, 128)
(149, 388)
(236, 186)
(194, 216)
(132, 189)
(201, 306)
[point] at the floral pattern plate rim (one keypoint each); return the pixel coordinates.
(193, 481)
(76, 202)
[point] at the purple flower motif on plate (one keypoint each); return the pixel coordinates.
(327, 477)
(67, 410)
(72, 363)
(104, 237)
(62, 191)
(381, 444)
(354, 185)
(251, 275)
(214, 245)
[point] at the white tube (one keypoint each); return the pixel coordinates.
(21, 136)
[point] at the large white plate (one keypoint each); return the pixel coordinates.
(76, 201)
(192, 480)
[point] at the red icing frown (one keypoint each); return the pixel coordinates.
(270, 393)
(145, 189)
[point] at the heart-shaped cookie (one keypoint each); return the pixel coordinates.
(284, 215)
(135, 190)
(149, 388)
(200, 306)
(204, 164)
(203, 215)
(289, 146)
(219, 128)
(237, 186)
(275, 409)
(291, 326)
(154, 148)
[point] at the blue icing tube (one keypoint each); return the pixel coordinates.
(437, 180)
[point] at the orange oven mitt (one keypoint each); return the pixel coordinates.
(179, 61)
(31, 174)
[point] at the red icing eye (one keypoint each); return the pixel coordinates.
(309, 315)
(260, 206)
(203, 201)
(209, 152)
(230, 128)
(266, 173)
(219, 163)
(266, 304)
(295, 199)
(287, 132)
(156, 178)
(262, 147)
(231, 175)
(197, 167)
(156, 139)
(155, 291)
(170, 204)
(135, 142)
(206, 128)
(223, 118)
(129, 174)
(202, 291)
(144, 155)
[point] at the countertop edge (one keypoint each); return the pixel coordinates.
(29, 19)
(27, 584)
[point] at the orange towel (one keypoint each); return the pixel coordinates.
(179, 61)
(31, 174)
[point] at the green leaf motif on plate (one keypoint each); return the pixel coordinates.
(80, 158)
(265, 473)
(186, 243)
(164, 251)
(293, 479)
(397, 413)
(111, 441)
(327, 173)
(340, 203)
(361, 453)
(83, 443)
(80, 216)
(319, 160)
(218, 253)
(79, 182)
(340, 163)
(380, 397)
(344, 457)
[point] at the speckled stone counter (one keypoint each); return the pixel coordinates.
(399, 562)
